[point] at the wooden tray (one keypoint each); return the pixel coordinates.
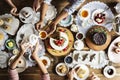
(64, 51)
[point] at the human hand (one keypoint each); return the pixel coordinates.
(13, 11)
(39, 25)
(70, 74)
(36, 5)
(25, 46)
(37, 48)
(51, 28)
(94, 77)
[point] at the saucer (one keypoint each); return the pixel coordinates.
(78, 45)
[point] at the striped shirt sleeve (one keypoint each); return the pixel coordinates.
(13, 74)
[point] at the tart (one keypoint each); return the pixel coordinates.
(98, 38)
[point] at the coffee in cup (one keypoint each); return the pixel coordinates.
(68, 59)
(43, 34)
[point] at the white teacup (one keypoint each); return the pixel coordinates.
(79, 36)
(68, 60)
(43, 34)
(33, 39)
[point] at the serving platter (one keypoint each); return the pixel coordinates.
(66, 50)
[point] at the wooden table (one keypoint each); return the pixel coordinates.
(33, 72)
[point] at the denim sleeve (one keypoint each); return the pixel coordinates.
(47, 1)
(73, 6)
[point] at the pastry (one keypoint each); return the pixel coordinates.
(8, 20)
(1, 22)
(118, 44)
(117, 51)
(1, 36)
(62, 69)
(6, 27)
(81, 72)
(98, 38)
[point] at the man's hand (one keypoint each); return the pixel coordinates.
(39, 25)
(13, 11)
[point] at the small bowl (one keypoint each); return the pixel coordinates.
(61, 69)
(109, 71)
(68, 60)
(43, 34)
(10, 44)
(79, 36)
(45, 61)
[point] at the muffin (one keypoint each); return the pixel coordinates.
(98, 38)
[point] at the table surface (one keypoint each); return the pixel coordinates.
(33, 72)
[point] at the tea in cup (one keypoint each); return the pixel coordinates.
(68, 59)
(43, 34)
(84, 13)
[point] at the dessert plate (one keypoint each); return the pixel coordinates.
(61, 69)
(65, 44)
(67, 21)
(112, 55)
(51, 12)
(3, 59)
(24, 32)
(81, 74)
(11, 23)
(21, 66)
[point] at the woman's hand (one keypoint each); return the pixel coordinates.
(51, 28)
(13, 11)
(36, 5)
(25, 46)
(70, 74)
(94, 77)
(39, 25)
(37, 48)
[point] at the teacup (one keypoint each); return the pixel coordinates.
(79, 36)
(31, 58)
(84, 13)
(68, 60)
(33, 39)
(43, 34)
(109, 71)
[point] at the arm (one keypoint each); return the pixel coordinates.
(43, 10)
(14, 9)
(70, 74)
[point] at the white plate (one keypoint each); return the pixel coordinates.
(61, 74)
(21, 66)
(33, 18)
(3, 59)
(51, 12)
(84, 67)
(67, 21)
(47, 59)
(53, 45)
(99, 11)
(83, 26)
(111, 53)
(14, 24)
(5, 37)
(26, 30)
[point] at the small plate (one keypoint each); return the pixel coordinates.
(67, 21)
(3, 59)
(98, 11)
(114, 57)
(61, 69)
(46, 62)
(65, 44)
(21, 66)
(51, 12)
(85, 68)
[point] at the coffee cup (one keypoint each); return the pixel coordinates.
(43, 34)
(68, 60)
(79, 36)
(84, 13)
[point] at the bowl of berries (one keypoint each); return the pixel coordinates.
(59, 43)
(99, 16)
